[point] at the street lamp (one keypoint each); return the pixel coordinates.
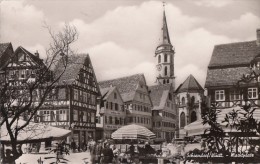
(102, 113)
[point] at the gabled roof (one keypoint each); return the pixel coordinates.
(125, 85)
(234, 54)
(36, 59)
(165, 38)
(105, 92)
(74, 64)
(4, 56)
(159, 94)
(3, 47)
(229, 62)
(190, 84)
(225, 76)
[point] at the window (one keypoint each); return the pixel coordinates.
(234, 95)
(116, 106)
(85, 116)
(159, 59)
(62, 115)
(182, 120)
(75, 115)
(220, 95)
(183, 101)
(115, 96)
(76, 96)
(46, 115)
(22, 74)
(252, 93)
(85, 97)
(165, 57)
(165, 71)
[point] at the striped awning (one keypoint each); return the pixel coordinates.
(133, 131)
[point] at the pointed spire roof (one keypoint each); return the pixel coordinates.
(165, 38)
(190, 84)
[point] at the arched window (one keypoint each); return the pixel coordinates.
(165, 57)
(168, 81)
(165, 71)
(163, 81)
(193, 116)
(182, 120)
(159, 59)
(183, 101)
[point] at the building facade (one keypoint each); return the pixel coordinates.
(229, 64)
(137, 102)
(190, 95)
(163, 112)
(111, 113)
(71, 103)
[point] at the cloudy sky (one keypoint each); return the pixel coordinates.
(121, 35)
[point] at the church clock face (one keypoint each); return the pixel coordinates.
(159, 67)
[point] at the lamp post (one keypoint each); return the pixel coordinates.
(102, 113)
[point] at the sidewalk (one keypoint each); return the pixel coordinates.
(74, 158)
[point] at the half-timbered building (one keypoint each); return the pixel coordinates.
(228, 65)
(72, 104)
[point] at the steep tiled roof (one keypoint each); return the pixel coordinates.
(234, 54)
(225, 76)
(105, 92)
(75, 62)
(159, 94)
(125, 85)
(3, 47)
(229, 62)
(4, 56)
(190, 84)
(33, 57)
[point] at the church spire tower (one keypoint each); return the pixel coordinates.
(165, 56)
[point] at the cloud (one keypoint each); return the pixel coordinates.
(21, 23)
(212, 3)
(243, 28)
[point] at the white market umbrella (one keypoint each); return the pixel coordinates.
(133, 131)
(34, 132)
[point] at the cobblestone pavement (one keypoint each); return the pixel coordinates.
(74, 158)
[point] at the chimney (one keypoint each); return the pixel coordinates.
(37, 54)
(258, 37)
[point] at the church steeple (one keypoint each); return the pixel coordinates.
(165, 55)
(165, 38)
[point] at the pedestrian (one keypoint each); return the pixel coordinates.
(95, 152)
(73, 146)
(116, 153)
(107, 154)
